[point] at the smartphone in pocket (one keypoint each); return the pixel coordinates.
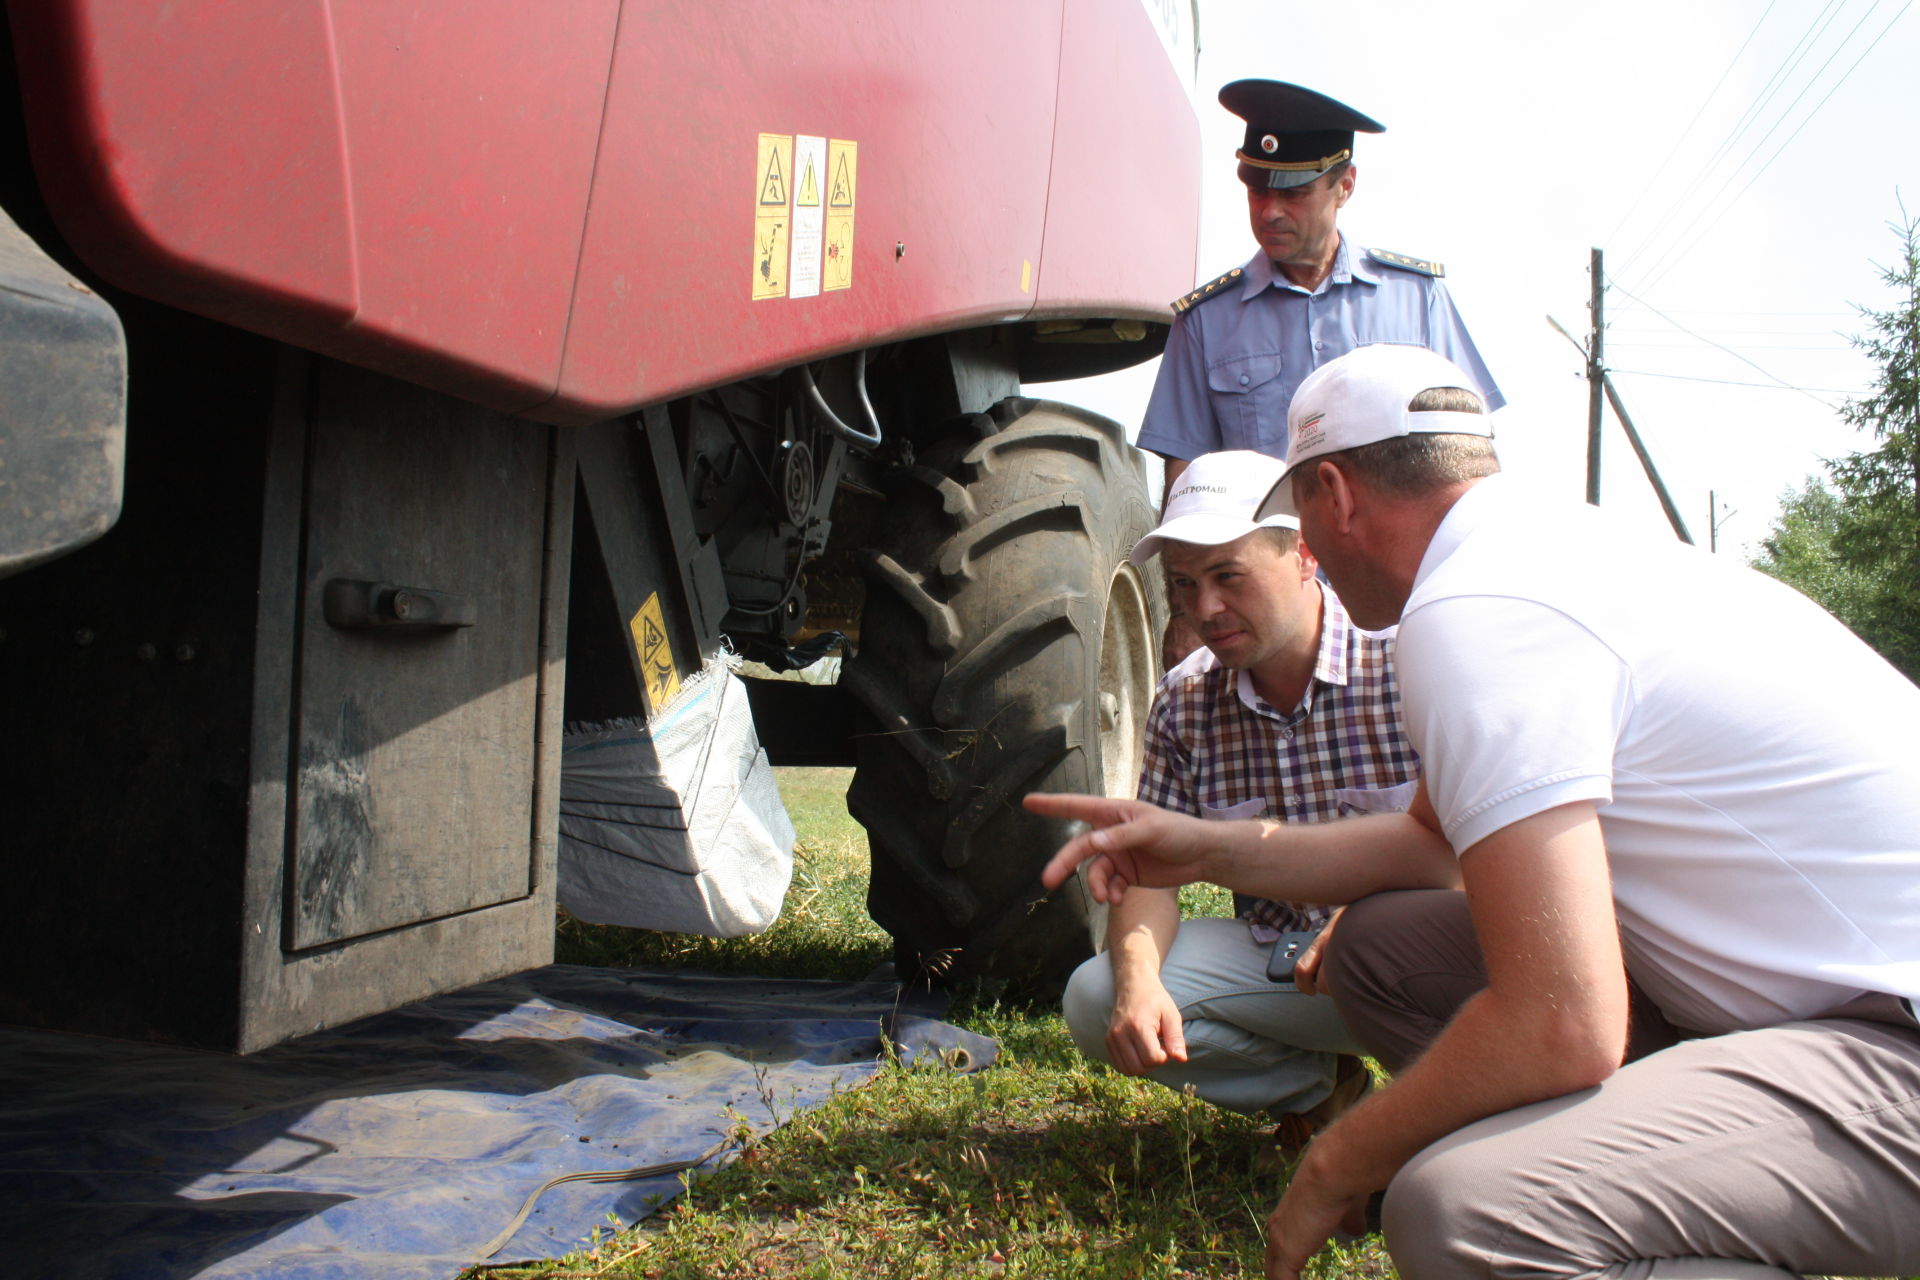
(1287, 950)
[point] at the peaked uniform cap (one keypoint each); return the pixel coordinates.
(1212, 502)
(1293, 133)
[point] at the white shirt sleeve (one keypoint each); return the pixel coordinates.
(1514, 708)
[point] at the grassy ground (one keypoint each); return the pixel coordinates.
(1043, 1165)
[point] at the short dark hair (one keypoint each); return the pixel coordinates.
(1411, 465)
(1282, 539)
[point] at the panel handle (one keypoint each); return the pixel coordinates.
(383, 606)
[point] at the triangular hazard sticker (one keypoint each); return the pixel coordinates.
(773, 187)
(809, 196)
(842, 197)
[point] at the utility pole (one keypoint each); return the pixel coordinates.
(1601, 391)
(1596, 370)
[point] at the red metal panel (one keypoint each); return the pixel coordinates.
(193, 151)
(470, 129)
(405, 183)
(401, 185)
(952, 108)
(1123, 220)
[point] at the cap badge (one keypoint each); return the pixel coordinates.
(1308, 437)
(1269, 144)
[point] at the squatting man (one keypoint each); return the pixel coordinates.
(1681, 801)
(1288, 711)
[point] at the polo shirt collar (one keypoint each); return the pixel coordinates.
(1466, 515)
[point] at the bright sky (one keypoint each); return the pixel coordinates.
(1522, 135)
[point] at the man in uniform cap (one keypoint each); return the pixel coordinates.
(1241, 344)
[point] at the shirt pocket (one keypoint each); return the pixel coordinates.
(1396, 799)
(1249, 400)
(1234, 812)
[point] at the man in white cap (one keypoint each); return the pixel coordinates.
(1681, 800)
(1288, 712)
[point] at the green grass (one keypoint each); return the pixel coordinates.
(823, 930)
(1044, 1165)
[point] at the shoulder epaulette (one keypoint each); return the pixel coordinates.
(1212, 289)
(1388, 258)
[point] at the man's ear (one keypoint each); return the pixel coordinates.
(1309, 563)
(1345, 187)
(1342, 501)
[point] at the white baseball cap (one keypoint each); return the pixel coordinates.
(1362, 398)
(1213, 500)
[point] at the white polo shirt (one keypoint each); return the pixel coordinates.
(1755, 763)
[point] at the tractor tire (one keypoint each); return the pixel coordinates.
(1006, 647)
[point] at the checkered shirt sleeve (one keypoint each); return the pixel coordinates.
(1210, 754)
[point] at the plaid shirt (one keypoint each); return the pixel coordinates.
(1216, 749)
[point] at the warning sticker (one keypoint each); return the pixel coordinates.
(809, 170)
(836, 271)
(772, 215)
(649, 628)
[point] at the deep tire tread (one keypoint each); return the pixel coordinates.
(978, 675)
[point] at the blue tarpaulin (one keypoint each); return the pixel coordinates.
(403, 1145)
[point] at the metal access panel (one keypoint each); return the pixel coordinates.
(407, 700)
(414, 735)
(283, 744)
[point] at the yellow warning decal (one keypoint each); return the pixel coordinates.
(809, 186)
(772, 216)
(840, 159)
(843, 172)
(657, 671)
(1026, 275)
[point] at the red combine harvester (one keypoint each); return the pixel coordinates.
(478, 369)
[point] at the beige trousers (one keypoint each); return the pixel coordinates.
(1789, 1150)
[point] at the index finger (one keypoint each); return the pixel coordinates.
(1061, 866)
(1098, 811)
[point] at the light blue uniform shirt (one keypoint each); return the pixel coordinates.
(1233, 361)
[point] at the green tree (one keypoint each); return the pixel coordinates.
(1856, 548)
(1801, 552)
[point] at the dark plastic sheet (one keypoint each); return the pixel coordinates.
(399, 1146)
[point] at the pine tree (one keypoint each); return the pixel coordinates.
(1856, 548)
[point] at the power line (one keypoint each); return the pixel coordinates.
(1730, 351)
(1796, 129)
(1676, 346)
(1822, 332)
(1726, 382)
(1740, 127)
(1680, 254)
(1688, 131)
(1699, 311)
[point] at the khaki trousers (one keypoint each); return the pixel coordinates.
(1789, 1150)
(1253, 1045)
